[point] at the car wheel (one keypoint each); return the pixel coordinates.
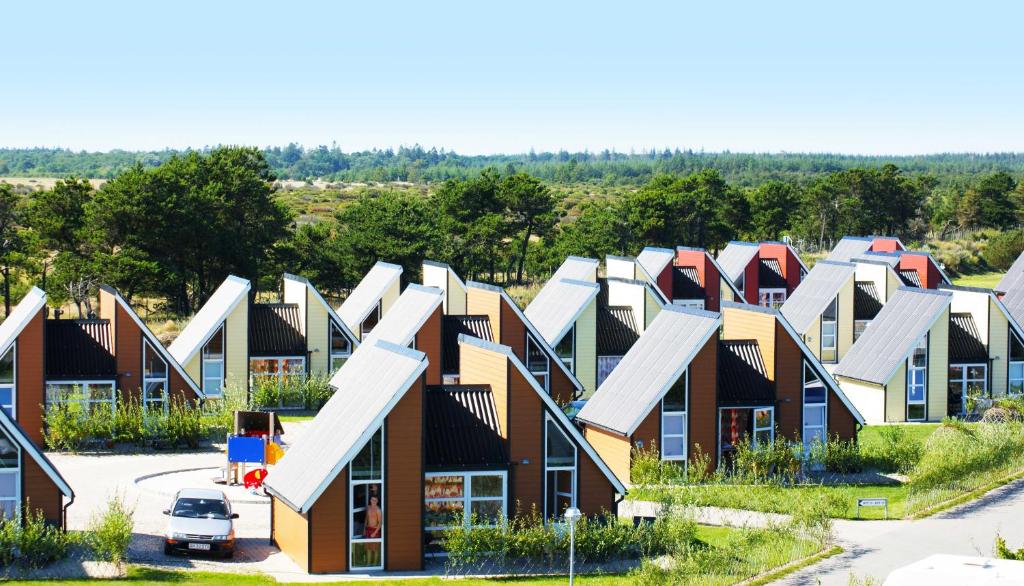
(168, 550)
(229, 555)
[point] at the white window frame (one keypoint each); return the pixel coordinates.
(570, 363)
(823, 407)
(280, 373)
(13, 405)
(775, 294)
(964, 380)
(146, 380)
(691, 303)
(753, 423)
(335, 330)
(222, 361)
(16, 472)
(911, 369)
(863, 325)
(468, 499)
(770, 428)
(1015, 379)
(362, 331)
(830, 329)
(531, 341)
(547, 469)
(352, 510)
(82, 385)
(677, 414)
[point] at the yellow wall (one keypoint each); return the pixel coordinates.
(652, 309)
(236, 361)
(629, 294)
(725, 291)
(938, 368)
(620, 268)
(193, 368)
(456, 295)
(586, 348)
(389, 297)
(812, 337)
(869, 399)
(741, 324)
(896, 396)
(318, 340)
(998, 349)
(845, 319)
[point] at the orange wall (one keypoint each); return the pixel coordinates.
(428, 341)
(31, 381)
(885, 245)
(614, 449)
(929, 275)
(128, 353)
(329, 528)
(403, 490)
(789, 392)
(703, 406)
(840, 419)
(39, 492)
(290, 533)
(787, 260)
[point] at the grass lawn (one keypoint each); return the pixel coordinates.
(984, 280)
(296, 415)
(870, 434)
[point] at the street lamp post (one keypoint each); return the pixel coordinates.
(572, 514)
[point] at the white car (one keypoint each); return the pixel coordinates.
(201, 521)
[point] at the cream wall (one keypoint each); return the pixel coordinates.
(867, 398)
(896, 395)
(620, 268)
(631, 295)
(998, 349)
(845, 318)
(389, 297)
(651, 308)
(586, 348)
(812, 337)
(194, 368)
(236, 360)
(456, 297)
(318, 336)
(938, 368)
(295, 292)
(976, 304)
(874, 273)
(725, 291)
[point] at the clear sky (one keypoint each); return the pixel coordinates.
(485, 77)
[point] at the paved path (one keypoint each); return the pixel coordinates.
(875, 548)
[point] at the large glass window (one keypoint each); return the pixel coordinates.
(965, 381)
(773, 298)
(8, 393)
(280, 368)
(566, 349)
(673, 421)
(859, 326)
(605, 366)
(10, 476)
(341, 347)
(85, 395)
(830, 332)
(370, 322)
(475, 499)
(366, 492)
(559, 471)
(213, 365)
(815, 409)
(537, 361)
(917, 382)
(154, 378)
(741, 424)
(1016, 378)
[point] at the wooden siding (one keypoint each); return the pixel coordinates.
(787, 260)
(840, 420)
(789, 387)
(998, 349)
(896, 396)
(31, 382)
(318, 334)
(525, 442)
(652, 307)
(194, 368)
(740, 324)
(713, 286)
(613, 448)
(877, 274)
(390, 296)
(290, 533)
(39, 492)
(727, 293)
(482, 367)
(926, 270)
(483, 302)
(938, 368)
(632, 295)
(812, 337)
(128, 353)
(428, 341)
(596, 494)
(236, 347)
(328, 532)
(751, 280)
(703, 401)
(845, 318)
(664, 280)
(648, 433)
(455, 296)
(586, 348)
(403, 478)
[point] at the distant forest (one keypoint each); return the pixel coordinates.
(416, 164)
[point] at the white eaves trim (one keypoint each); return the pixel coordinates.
(361, 301)
(232, 291)
(331, 314)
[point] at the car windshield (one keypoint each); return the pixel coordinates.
(200, 508)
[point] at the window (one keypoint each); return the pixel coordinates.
(559, 471)
(213, 365)
(154, 378)
(605, 366)
(741, 424)
(566, 349)
(691, 303)
(917, 377)
(280, 368)
(10, 477)
(366, 513)
(741, 284)
(85, 395)
(341, 347)
(859, 326)
(764, 426)
(829, 332)
(1016, 382)
(773, 298)
(370, 322)
(815, 409)
(673, 420)
(8, 392)
(965, 381)
(476, 499)
(537, 361)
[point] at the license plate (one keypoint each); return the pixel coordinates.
(199, 546)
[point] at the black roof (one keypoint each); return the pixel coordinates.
(769, 274)
(478, 326)
(866, 301)
(79, 348)
(462, 429)
(616, 330)
(686, 283)
(742, 378)
(910, 277)
(275, 329)
(965, 344)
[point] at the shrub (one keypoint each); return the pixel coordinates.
(316, 391)
(777, 460)
(265, 393)
(110, 531)
(1003, 552)
(898, 451)
(648, 469)
(957, 451)
(33, 543)
(1003, 249)
(843, 456)
(63, 429)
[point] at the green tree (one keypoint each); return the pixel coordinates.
(13, 240)
(471, 215)
(316, 252)
(773, 206)
(995, 207)
(530, 209)
(394, 227)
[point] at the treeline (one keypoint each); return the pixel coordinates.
(174, 231)
(417, 164)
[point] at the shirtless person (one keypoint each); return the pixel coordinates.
(374, 519)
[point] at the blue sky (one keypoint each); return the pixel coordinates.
(486, 77)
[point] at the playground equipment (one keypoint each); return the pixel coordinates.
(256, 440)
